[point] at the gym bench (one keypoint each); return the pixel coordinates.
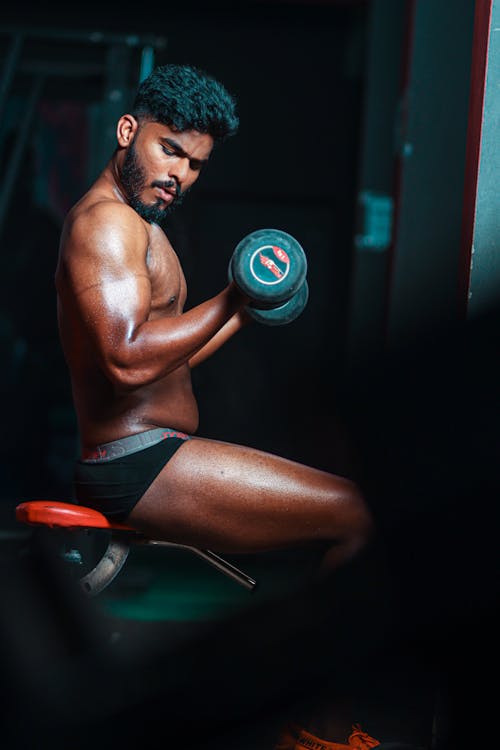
(71, 517)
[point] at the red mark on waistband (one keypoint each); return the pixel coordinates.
(97, 453)
(174, 433)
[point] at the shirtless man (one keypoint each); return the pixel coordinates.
(130, 347)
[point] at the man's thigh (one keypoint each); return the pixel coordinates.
(237, 498)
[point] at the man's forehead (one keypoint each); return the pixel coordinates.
(189, 140)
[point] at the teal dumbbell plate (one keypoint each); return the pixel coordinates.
(269, 266)
(281, 314)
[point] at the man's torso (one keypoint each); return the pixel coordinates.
(105, 411)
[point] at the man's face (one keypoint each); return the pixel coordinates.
(160, 166)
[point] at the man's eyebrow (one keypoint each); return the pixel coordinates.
(177, 146)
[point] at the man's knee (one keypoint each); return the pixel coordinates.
(353, 513)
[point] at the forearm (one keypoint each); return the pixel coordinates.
(156, 347)
(233, 325)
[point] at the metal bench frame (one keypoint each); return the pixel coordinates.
(55, 514)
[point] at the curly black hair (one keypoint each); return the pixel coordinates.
(187, 98)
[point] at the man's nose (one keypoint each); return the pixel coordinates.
(180, 170)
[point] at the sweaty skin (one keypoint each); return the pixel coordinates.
(130, 347)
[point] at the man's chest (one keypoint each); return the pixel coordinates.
(168, 285)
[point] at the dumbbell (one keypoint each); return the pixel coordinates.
(270, 267)
(283, 313)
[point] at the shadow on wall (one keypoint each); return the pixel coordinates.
(39, 438)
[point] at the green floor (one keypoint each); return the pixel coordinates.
(169, 584)
(161, 584)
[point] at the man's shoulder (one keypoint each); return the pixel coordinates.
(97, 212)
(100, 230)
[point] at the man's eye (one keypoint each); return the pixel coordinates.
(168, 151)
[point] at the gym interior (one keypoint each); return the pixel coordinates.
(368, 131)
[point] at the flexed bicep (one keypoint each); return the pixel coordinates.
(103, 282)
(137, 339)
(111, 313)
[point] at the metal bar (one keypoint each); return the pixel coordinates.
(479, 267)
(9, 68)
(226, 567)
(61, 68)
(107, 568)
(88, 37)
(218, 562)
(117, 552)
(115, 101)
(147, 62)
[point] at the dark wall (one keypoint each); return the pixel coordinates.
(424, 283)
(296, 71)
(297, 75)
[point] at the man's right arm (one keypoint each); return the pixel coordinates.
(110, 291)
(233, 325)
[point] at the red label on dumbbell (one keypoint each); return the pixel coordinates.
(269, 264)
(280, 253)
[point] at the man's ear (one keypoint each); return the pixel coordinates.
(126, 130)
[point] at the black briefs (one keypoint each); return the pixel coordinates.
(114, 476)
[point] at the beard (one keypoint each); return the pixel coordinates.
(133, 179)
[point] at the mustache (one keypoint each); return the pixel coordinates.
(167, 186)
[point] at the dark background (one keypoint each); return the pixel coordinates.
(336, 100)
(297, 74)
